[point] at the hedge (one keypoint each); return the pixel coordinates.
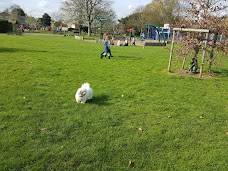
(5, 26)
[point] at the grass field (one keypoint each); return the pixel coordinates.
(139, 112)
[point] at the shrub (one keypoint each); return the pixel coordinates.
(5, 26)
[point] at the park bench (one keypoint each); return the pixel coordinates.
(154, 44)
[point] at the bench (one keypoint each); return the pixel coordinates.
(79, 37)
(154, 44)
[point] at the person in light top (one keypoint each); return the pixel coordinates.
(125, 42)
(107, 50)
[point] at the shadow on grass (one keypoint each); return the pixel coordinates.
(101, 100)
(12, 50)
(221, 73)
(128, 58)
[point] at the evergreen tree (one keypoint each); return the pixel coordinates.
(46, 20)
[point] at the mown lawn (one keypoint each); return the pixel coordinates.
(139, 112)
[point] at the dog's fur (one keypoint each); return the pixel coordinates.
(84, 93)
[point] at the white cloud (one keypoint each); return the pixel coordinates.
(42, 4)
(37, 8)
(129, 6)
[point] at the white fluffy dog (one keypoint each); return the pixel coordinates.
(84, 93)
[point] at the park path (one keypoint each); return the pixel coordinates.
(40, 34)
(138, 43)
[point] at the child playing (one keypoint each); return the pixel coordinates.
(107, 50)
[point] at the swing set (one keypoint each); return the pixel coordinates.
(155, 36)
(194, 67)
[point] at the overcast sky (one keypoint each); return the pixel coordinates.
(37, 8)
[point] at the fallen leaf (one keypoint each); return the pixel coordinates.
(201, 117)
(43, 129)
(140, 129)
(130, 163)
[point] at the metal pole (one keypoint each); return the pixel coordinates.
(171, 52)
(101, 37)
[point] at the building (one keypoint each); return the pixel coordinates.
(4, 15)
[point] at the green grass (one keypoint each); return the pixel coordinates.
(43, 128)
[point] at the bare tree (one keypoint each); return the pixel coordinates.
(204, 14)
(138, 20)
(56, 16)
(84, 11)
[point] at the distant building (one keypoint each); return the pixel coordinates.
(23, 20)
(64, 27)
(19, 19)
(4, 15)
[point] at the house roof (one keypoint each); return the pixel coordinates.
(64, 25)
(3, 14)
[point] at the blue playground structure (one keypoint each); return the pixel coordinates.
(154, 36)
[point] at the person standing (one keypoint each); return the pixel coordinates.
(107, 50)
(125, 42)
(133, 41)
(118, 43)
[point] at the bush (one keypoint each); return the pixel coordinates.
(5, 26)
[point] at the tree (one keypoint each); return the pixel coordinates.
(32, 23)
(56, 19)
(204, 14)
(56, 16)
(157, 12)
(46, 20)
(139, 22)
(160, 12)
(134, 20)
(85, 11)
(39, 23)
(16, 13)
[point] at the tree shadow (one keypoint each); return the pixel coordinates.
(221, 72)
(8, 50)
(13, 50)
(101, 100)
(128, 57)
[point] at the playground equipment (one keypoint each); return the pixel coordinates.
(167, 31)
(154, 36)
(193, 66)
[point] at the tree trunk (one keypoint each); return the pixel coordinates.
(184, 60)
(196, 49)
(212, 50)
(89, 28)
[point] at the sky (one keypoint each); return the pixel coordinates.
(37, 8)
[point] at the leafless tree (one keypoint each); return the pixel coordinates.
(85, 11)
(204, 14)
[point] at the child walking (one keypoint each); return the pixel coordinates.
(107, 50)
